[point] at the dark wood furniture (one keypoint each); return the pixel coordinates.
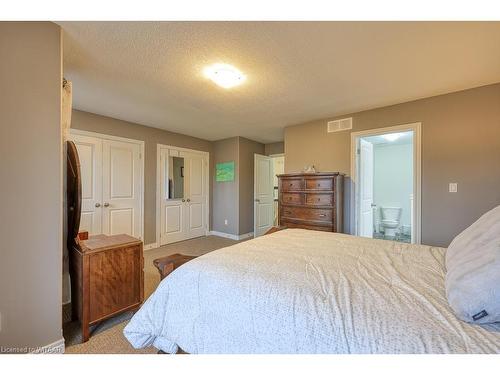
(107, 278)
(274, 229)
(312, 201)
(169, 263)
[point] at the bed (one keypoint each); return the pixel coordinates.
(302, 291)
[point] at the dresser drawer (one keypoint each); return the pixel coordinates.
(291, 184)
(319, 184)
(305, 213)
(290, 224)
(319, 199)
(291, 198)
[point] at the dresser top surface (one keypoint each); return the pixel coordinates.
(317, 174)
(102, 241)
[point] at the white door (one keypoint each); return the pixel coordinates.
(112, 181)
(90, 155)
(183, 195)
(263, 194)
(121, 192)
(365, 189)
(195, 187)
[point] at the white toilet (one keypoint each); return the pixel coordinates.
(391, 217)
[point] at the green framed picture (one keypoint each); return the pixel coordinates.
(224, 171)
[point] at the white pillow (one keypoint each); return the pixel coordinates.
(473, 271)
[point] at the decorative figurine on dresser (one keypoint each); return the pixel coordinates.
(312, 201)
(107, 272)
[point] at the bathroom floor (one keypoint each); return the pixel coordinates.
(399, 237)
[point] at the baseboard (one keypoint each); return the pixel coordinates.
(245, 236)
(57, 347)
(150, 246)
(231, 236)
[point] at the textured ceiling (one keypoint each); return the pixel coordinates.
(151, 72)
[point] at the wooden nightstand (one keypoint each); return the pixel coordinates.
(107, 278)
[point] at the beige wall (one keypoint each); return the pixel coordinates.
(151, 137)
(274, 148)
(247, 149)
(460, 143)
(31, 170)
(226, 194)
(233, 201)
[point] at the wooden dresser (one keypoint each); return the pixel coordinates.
(312, 201)
(107, 278)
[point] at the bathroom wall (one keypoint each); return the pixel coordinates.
(393, 178)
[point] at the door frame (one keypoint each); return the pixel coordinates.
(159, 148)
(416, 127)
(108, 137)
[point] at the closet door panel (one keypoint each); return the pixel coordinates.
(172, 210)
(196, 191)
(121, 188)
(90, 156)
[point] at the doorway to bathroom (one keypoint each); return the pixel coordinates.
(386, 174)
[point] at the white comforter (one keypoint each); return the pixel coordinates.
(300, 291)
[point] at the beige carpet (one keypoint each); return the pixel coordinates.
(108, 337)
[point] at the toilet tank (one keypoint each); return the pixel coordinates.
(391, 213)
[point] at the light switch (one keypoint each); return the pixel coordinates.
(453, 187)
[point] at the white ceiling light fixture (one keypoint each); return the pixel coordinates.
(392, 136)
(224, 75)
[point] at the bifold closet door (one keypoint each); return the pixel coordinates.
(90, 155)
(111, 186)
(121, 188)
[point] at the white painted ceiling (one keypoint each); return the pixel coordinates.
(151, 72)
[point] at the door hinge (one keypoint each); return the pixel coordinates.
(358, 151)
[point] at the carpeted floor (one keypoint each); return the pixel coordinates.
(108, 337)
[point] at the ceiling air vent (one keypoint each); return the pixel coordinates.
(339, 125)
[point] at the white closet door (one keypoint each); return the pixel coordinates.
(172, 211)
(195, 187)
(90, 155)
(121, 191)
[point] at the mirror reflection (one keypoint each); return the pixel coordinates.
(175, 177)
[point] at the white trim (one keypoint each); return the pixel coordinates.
(231, 236)
(57, 347)
(150, 246)
(417, 173)
(159, 147)
(121, 139)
